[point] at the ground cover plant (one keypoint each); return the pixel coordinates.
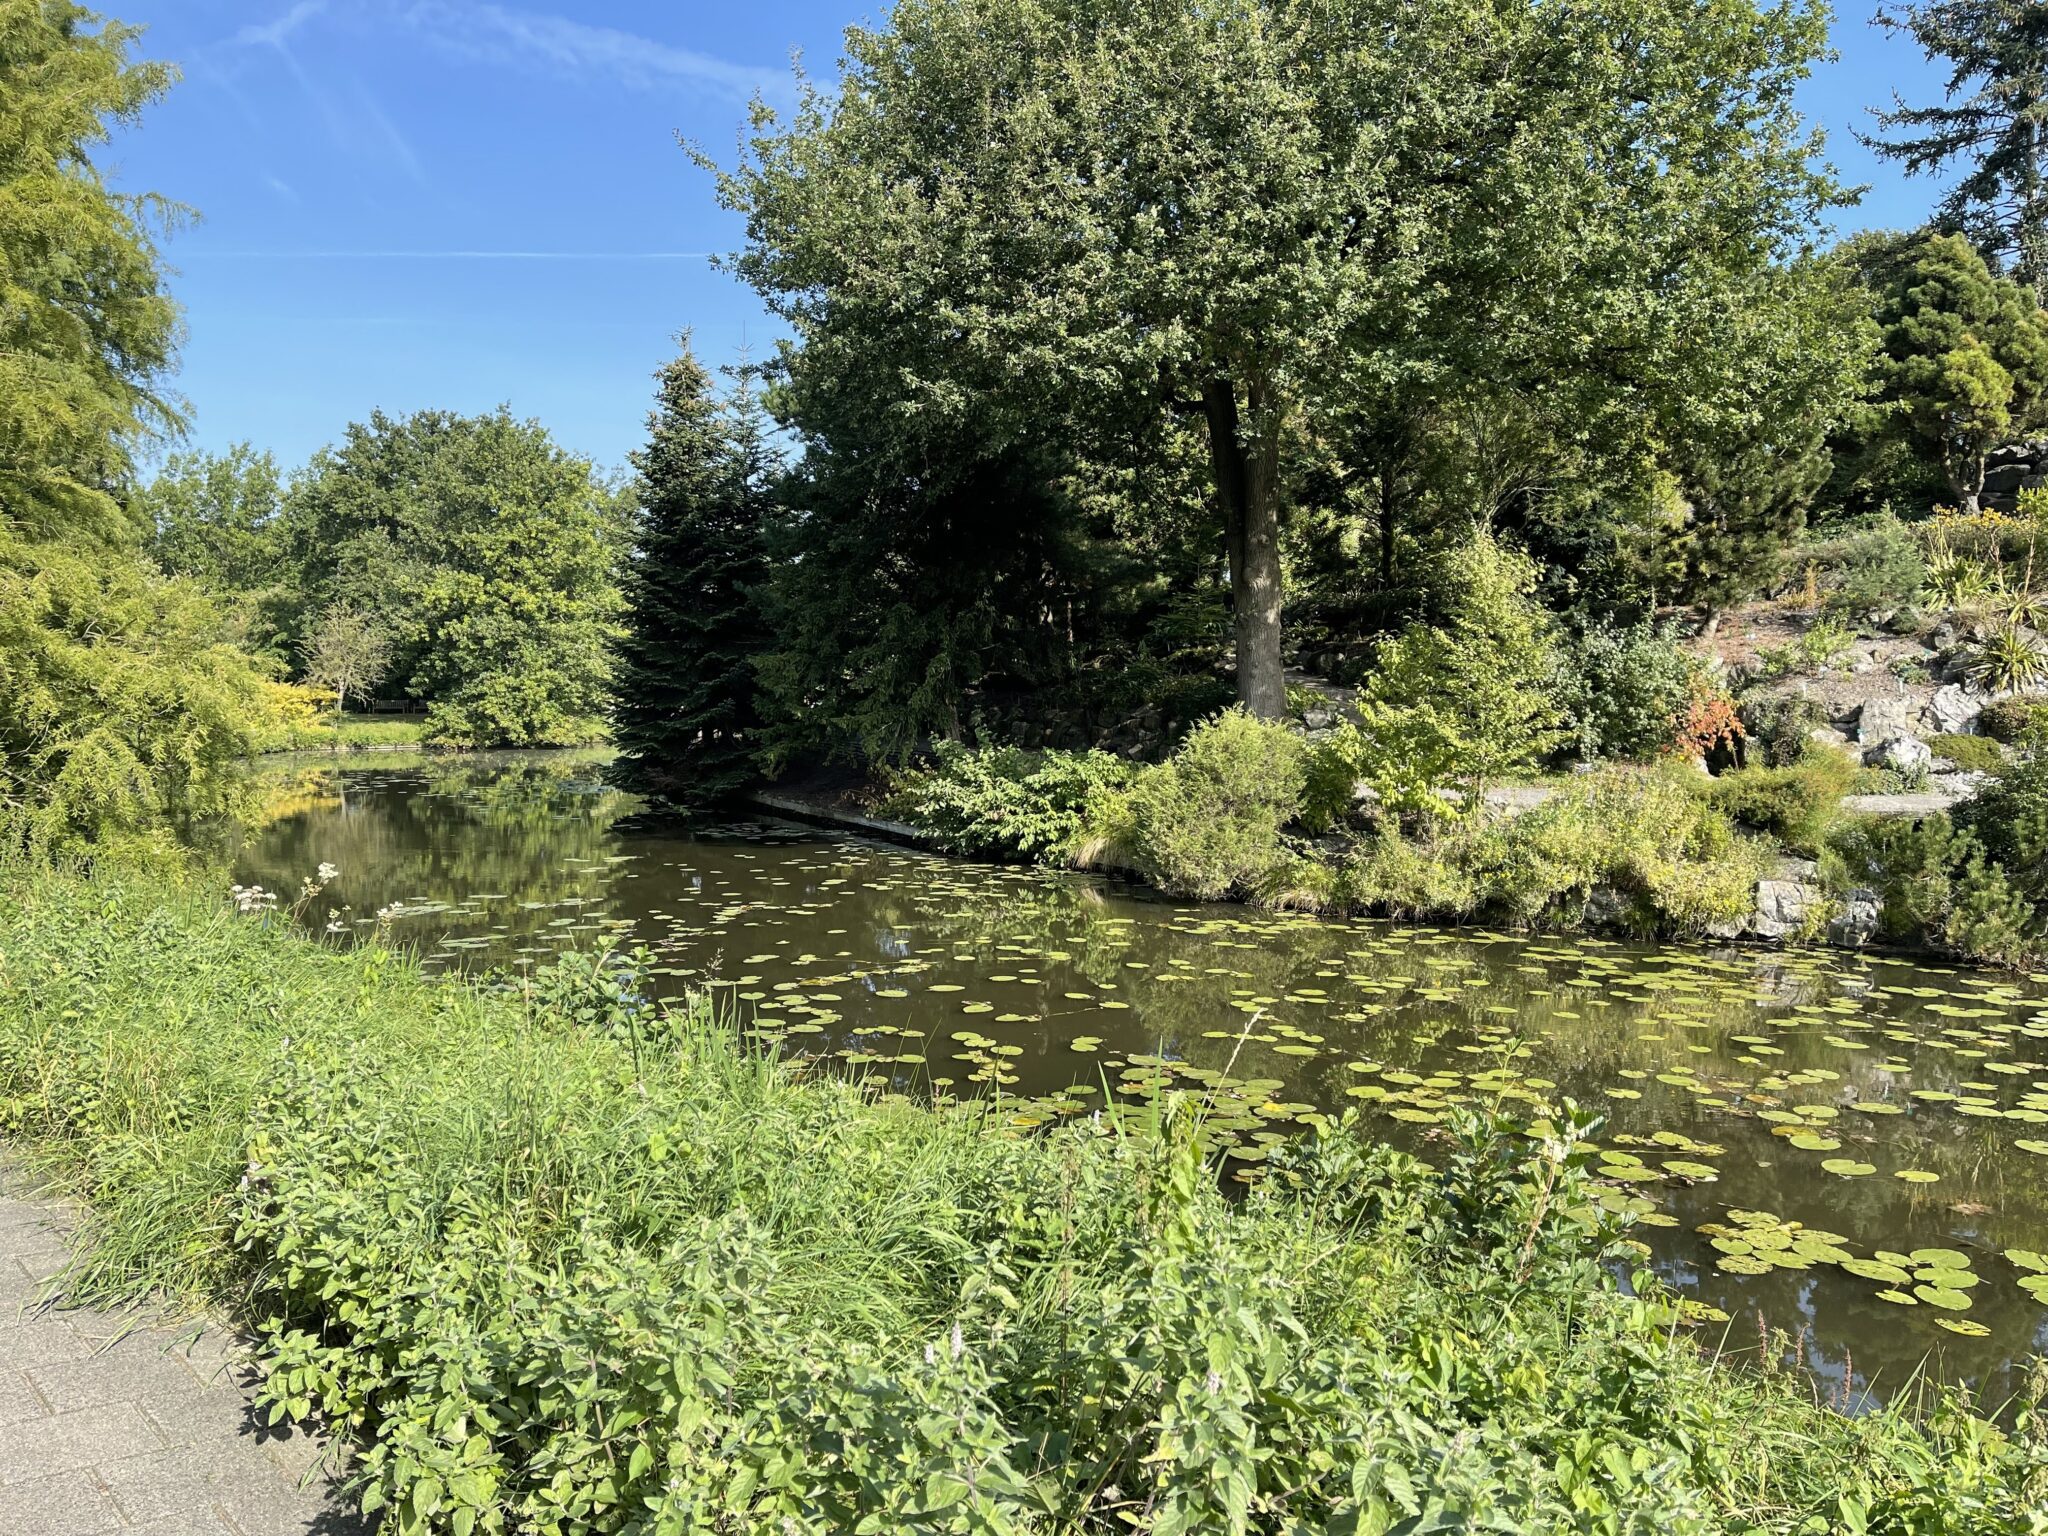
(812, 1310)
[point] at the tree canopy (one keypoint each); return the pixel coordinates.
(1057, 221)
(88, 334)
(484, 551)
(1965, 363)
(1989, 121)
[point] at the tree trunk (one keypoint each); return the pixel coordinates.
(1387, 474)
(1248, 485)
(1967, 481)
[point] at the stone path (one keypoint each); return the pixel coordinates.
(112, 1429)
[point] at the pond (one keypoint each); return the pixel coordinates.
(1849, 1151)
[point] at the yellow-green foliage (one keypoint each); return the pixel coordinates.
(1675, 864)
(1207, 821)
(123, 709)
(1795, 804)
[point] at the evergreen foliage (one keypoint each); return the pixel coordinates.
(122, 702)
(87, 333)
(1470, 698)
(687, 717)
(1965, 363)
(1989, 122)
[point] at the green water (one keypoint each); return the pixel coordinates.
(1917, 1094)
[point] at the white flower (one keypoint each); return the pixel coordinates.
(326, 872)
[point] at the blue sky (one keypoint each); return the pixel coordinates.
(454, 203)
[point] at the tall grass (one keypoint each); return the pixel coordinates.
(560, 1260)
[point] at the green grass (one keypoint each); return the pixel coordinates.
(561, 1260)
(351, 733)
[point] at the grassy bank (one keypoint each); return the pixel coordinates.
(561, 1261)
(350, 733)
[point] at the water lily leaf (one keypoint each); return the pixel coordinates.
(2027, 1259)
(1744, 1264)
(1916, 1176)
(1942, 1297)
(1938, 1258)
(1968, 1328)
(1848, 1167)
(1873, 1269)
(1897, 1298)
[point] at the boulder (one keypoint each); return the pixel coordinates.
(1902, 754)
(1833, 741)
(1882, 720)
(1856, 924)
(2006, 479)
(1954, 709)
(1781, 907)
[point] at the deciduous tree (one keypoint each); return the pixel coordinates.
(1023, 221)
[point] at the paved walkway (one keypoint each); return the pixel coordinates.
(109, 1429)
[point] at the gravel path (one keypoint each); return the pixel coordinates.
(110, 1428)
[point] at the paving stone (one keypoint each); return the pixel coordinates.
(111, 1424)
(206, 1524)
(137, 1371)
(19, 1399)
(43, 1339)
(68, 1504)
(68, 1441)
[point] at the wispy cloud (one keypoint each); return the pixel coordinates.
(491, 32)
(273, 34)
(424, 255)
(282, 188)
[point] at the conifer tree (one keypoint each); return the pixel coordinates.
(687, 717)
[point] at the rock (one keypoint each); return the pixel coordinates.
(1833, 741)
(1882, 720)
(1607, 909)
(1856, 924)
(1902, 754)
(1781, 907)
(1954, 709)
(2005, 479)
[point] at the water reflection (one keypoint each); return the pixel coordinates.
(1902, 1108)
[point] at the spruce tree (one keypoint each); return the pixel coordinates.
(686, 716)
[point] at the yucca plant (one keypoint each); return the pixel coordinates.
(1959, 583)
(2007, 660)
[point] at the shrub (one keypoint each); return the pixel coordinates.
(1709, 723)
(1794, 804)
(1467, 700)
(124, 708)
(1872, 572)
(1939, 885)
(2008, 817)
(1779, 728)
(1647, 837)
(2015, 722)
(1207, 821)
(1970, 754)
(1910, 863)
(1624, 690)
(1006, 801)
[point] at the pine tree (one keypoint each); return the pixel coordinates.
(1990, 122)
(687, 716)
